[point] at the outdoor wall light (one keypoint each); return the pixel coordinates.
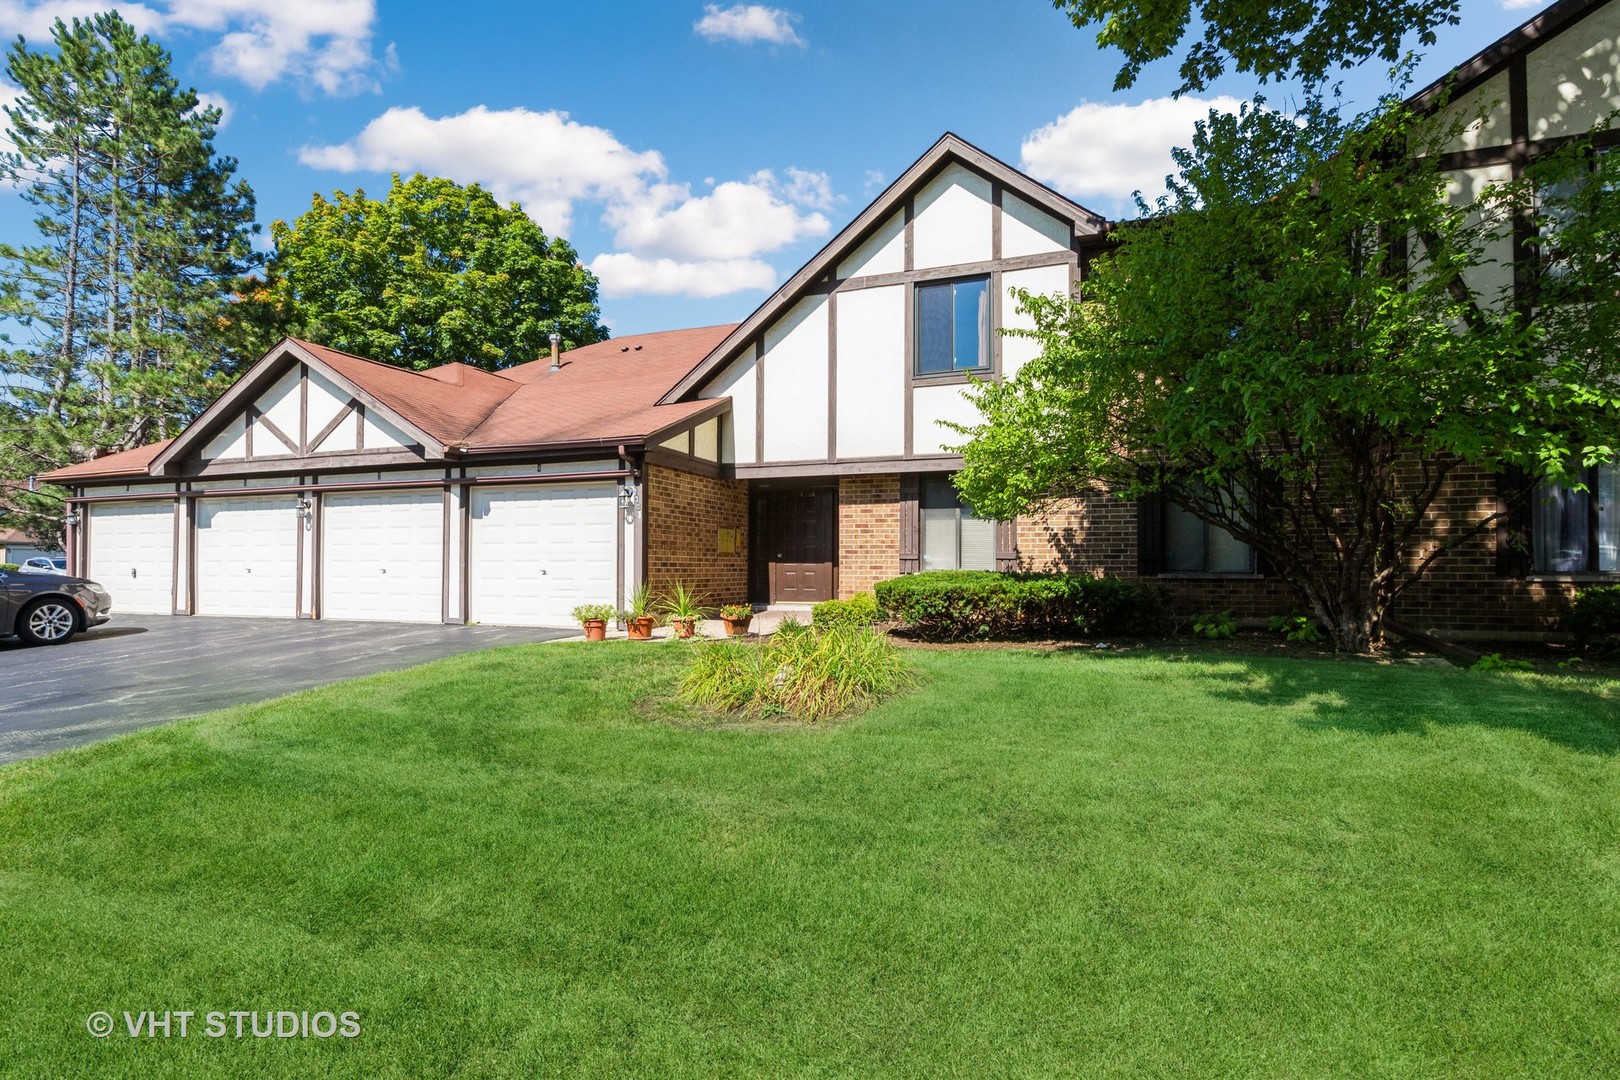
(306, 509)
(627, 502)
(71, 519)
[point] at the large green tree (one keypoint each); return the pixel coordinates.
(436, 272)
(123, 301)
(1309, 337)
(1269, 39)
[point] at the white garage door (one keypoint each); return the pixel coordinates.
(247, 556)
(537, 552)
(383, 556)
(132, 555)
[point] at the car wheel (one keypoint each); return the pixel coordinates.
(50, 621)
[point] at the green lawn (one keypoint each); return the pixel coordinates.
(521, 863)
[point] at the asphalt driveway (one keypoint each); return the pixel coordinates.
(141, 670)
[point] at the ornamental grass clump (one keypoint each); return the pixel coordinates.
(810, 676)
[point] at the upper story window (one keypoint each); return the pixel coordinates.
(1578, 532)
(1194, 546)
(953, 326)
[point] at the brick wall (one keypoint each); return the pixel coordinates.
(868, 532)
(685, 512)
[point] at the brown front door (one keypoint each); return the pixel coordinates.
(796, 543)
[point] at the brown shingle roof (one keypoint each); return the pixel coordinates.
(124, 463)
(605, 393)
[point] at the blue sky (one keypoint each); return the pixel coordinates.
(694, 154)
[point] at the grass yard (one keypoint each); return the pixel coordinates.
(526, 863)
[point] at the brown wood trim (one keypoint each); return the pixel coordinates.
(859, 467)
(298, 572)
(191, 553)
(618, 536)
(640, 538)
(759, 401)
(248, 418)
(910, 523)
(959, 270)
(303, 409)
(721, 405)
(1526, 152)
(270, 426)
(332, 425)
(995, 221)
(317, 543)
(174, 553)
(669, 459)
(281, 466)
(444, 548)
(371, 485)
(466, 550)
(360, 425)
(910, 360)
(909, 258)
(997, 294)
(1489, 60)
(1523, 220)
(832, 377)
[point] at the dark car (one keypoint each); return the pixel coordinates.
(47, 609)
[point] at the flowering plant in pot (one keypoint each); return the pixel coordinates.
(638, 617)
(684, 607)
(594, 618)
(737, 617)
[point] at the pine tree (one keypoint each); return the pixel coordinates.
(124, 300)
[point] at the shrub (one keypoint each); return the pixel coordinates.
(1595, 615)
(805, 674)
(859, 610)
(7, 567)
(587, 612)
(953, 605)
(1497, 662)
(1296, 626)
(1216, 626)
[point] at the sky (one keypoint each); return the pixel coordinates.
(694, 154)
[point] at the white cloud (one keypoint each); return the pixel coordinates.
(747, 24)
(875, 182)
(542, 159)
(1102, 152)
(1520, 5)
(734, 221)
(666, 239)
(624, 274)
(324, 44)
(217, 101)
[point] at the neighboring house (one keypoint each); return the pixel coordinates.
(15, 547)
(797, 456)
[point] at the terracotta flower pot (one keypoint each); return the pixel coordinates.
(738, 627)
(640, 629)
(595, 629)
(684, 627)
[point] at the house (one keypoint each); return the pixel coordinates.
(15, 547)
(797, 456)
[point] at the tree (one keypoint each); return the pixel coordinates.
(143, 236)
(1307, 339)
(434, 273)
(1305, 39)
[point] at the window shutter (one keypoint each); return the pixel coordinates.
(1007, 545)
(910, 523)
(1513, 529)
(1150, 535)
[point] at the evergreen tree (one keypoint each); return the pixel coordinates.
(125, 299)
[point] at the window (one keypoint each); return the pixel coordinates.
(1193, 546)
(953, 327)
(1576, 532)
(953, 536)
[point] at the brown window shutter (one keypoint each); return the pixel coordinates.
(910, 523)
(1513, 527)
(1007, 545)
(1150, 535)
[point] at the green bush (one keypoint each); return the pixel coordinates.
(955, 605)
(859, 610)
(1595, 615)
(1216, 625)
(812, 676)
(1297, 627)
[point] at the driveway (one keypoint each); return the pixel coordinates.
(141, 670)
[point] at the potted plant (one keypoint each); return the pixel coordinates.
(638, 617)
(594, 618)
(737, 617)
(684, 607)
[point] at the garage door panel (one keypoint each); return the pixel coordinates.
(131, 553)
(247, 556)
(538, 552)
(383, 556)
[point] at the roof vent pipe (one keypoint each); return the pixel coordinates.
(556, 343)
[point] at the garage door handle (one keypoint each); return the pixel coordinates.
(132, 572)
